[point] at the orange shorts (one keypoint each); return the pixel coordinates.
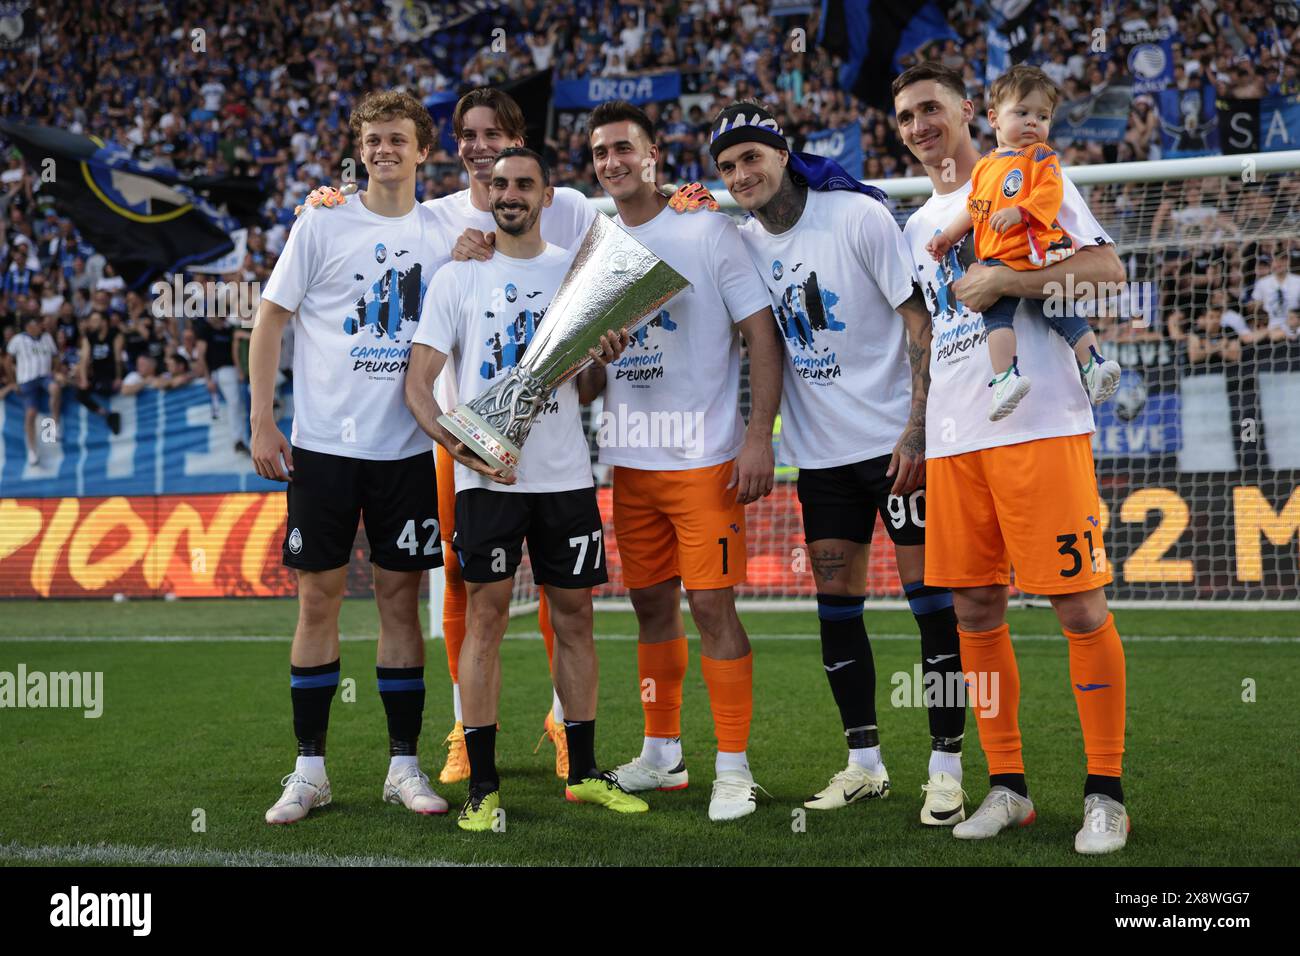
(446, 469)
(684, 524)
(1033, 506)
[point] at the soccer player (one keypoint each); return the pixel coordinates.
(853, 423)
(355, 281)
(1016, 192)
(31, 356)
(1020, 491)
(485, 121)
(552, 501)
(679, 504)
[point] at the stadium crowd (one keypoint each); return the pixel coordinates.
(265, 90)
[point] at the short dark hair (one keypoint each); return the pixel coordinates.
(620, 111)
(929, 70)
(524, 151)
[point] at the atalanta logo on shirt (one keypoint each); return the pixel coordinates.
(1011, 185)
(511, 292)
(295, 541)
(380, 252)
(778, 270)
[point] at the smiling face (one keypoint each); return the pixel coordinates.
(1022, 121)
(517, 195)
(933, 121)
(622, 153)
(389, 151)
(752, 173)
(481, 139)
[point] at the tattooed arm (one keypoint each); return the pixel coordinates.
(908, 462)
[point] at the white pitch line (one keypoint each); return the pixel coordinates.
(123, 855)
(533, 635)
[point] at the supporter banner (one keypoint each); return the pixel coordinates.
(1252, 126)
(170, 443)
(1174, 536)
(589, 93)
(1150, 59)
(1009, 34)
(1137, 422)
(417, 19)
(145, 219)
(18, 24)
(844, 145)
(1099, 118)
(1189, 123)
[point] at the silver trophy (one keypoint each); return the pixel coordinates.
(615, 283)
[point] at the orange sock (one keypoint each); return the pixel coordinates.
(1097, 673)
(731, 695)
(548, 632)
(664, 666)
(453, 592)
(993, 690)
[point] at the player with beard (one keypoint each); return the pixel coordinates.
(679, 512)
(550, 503)
(853, 415)
(485, 122)
(352, 284)
(1021, 491)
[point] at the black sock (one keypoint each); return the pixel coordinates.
(481, 747)
(1109, 786)
(1014, 782)
(581, 736)
(940, 655)
(312, 689)
(846, 655)
(402, 691)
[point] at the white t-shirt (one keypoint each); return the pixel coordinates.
(1278, 298)
(460, 319)
(1232, 319)
(672, 400)
(836, 278)
(956, 414)
(356, 281)
(33, 357)
(564, 222)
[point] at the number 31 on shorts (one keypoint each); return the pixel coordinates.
(408, 541)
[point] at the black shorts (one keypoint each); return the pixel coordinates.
(398, 500)
(842, 502)
(565, 540)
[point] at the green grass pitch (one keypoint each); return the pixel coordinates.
(205, 726)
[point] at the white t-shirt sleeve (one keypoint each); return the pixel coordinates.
(13, 346)
(883, 251)
(734, 272)
(438, 315)
(296, 267)
(579, 214)
(1077, 219)
(1258, 295)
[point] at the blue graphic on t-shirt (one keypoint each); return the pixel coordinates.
(508, 345)
(392, 301)
(641, 338)
(804, 309)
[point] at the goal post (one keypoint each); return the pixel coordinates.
(1197, 455)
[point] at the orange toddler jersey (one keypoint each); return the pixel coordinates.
(1028, 179)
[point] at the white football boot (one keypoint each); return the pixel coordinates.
(850, 785)
(734, 795)
(636, 776)
(945, 801)
(1008, 389)
(1001, 808)
(409, 786)
(301, 796)
(1105, 825)
(1100, 379)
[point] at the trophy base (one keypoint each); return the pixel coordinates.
(481, 438)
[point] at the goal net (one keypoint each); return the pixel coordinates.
(1198, 453)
